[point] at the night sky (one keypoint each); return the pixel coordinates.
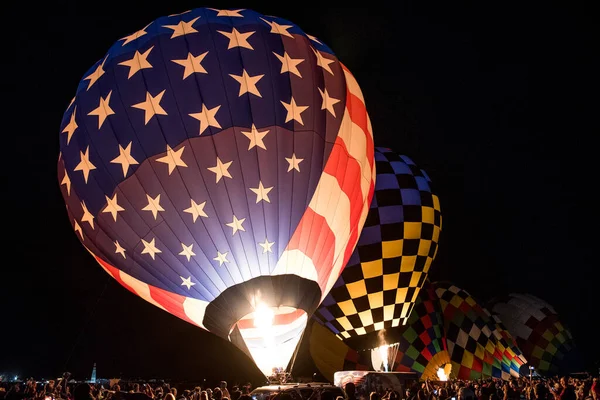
(492, 101)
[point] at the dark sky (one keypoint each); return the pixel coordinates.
(493, 101)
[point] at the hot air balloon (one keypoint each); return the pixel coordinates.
(219, 164)
(479, 345)
(545, 340)
(419, 346)
(379, 286)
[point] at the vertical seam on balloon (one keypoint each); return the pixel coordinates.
(264, 34)
(221, 223)
(210, 29)
(258, 164)
(253, 239)
(216, 286)
(248, 264)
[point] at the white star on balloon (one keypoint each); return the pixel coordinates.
(267, 246)
(197, 210)
(262, 193)
(221, 169)
(256, 137)
(236, 225)
(294, 163)
(187, 282)
(150, 248)
(153, 205)
(119, 249)
(187, 251)
(221, 258)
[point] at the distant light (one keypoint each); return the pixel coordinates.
(16, 377)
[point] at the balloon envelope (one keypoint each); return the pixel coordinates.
(398, 243)
(545, 340)
(478, 343)
(219, 164)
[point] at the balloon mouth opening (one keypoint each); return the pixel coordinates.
(383, 357)
(271, 335)
(443, 373)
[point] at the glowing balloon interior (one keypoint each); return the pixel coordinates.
(220, 165)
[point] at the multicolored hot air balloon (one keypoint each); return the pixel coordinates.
(544, 339)
(219, 164)
(478, 343)
(379, 286)
(419, 346)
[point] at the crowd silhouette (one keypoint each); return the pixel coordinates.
(523, 388)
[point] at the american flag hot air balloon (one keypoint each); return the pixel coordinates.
(219, 164)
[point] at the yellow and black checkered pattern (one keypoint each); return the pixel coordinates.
(398, 243)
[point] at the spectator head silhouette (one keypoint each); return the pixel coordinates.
(350, 389)
(374, 396)
(217, 394)
(169, 396)
(83, 391)
(327, 395)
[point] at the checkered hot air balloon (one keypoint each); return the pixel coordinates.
(219, 164)
(398, 243)
(545, 340)
(419, 346)
(478, 343)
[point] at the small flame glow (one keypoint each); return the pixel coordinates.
(383, 351)
(263, 316)
(441, 373)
